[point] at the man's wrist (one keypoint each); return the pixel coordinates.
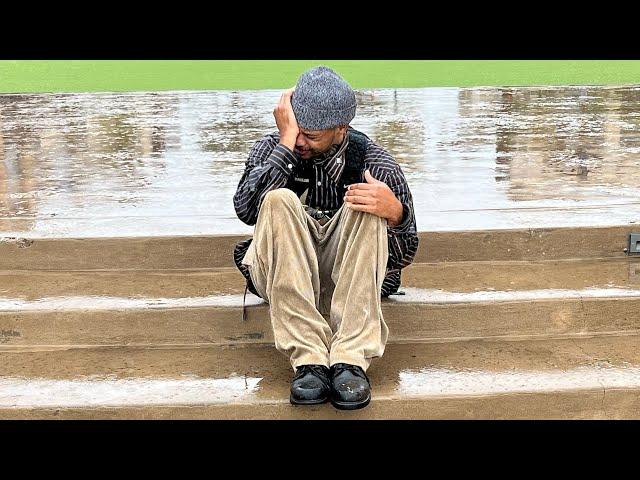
(288, 141)
(396, 219)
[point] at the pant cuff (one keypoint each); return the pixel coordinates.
(310, 359)
(352, 360)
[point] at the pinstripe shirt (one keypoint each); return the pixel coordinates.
(271, 166)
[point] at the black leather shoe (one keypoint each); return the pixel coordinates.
(350, 387)
(310, 385)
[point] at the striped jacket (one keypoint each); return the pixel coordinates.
(271, 165)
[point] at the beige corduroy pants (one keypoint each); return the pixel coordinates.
(322, 282)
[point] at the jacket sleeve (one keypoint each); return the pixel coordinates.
(403, 238)
(268, 167)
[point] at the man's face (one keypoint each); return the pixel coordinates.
(312, 143)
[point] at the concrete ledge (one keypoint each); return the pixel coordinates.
(407, 322)
(454, 277)
(563, 378)
(586, 405)
(216, 251)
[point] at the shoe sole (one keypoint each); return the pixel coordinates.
(350, 405)
(308, 402)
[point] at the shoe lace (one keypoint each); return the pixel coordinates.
(338, 368)
(318, 370)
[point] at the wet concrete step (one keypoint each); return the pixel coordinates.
(20, 253)
(596, 377)
(407, 322)
(463, 277)
(445, 301)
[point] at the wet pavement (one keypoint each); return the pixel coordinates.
(258, 377)
(446, 281)
(146, 164)
(441, 302)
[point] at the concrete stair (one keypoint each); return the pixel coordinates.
(593, 377)
(495, 324)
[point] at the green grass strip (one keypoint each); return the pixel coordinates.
(155, 75)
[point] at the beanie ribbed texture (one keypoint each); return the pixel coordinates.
(323, 99)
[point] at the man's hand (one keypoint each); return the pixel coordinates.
(374, 197)
(286, 120)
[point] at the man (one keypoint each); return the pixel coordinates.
(334, 225)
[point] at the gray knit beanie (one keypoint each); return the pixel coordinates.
(323, 99)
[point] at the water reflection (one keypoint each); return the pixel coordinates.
(589, 141)
(169, 163)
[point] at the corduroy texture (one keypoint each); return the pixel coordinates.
(307, 271)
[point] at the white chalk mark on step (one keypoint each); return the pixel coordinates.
(106, 391)
(436, 381)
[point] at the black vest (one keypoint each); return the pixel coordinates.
(353, 171)
(355, 153)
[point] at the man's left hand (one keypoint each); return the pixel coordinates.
(374, 197)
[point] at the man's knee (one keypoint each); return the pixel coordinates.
(280, 196)
(281, 204)
(364, 220)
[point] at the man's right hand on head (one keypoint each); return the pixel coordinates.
(286, 120)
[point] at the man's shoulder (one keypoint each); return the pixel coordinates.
(369, 145)
(270, 139)
(263, 147)
(377, 154)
